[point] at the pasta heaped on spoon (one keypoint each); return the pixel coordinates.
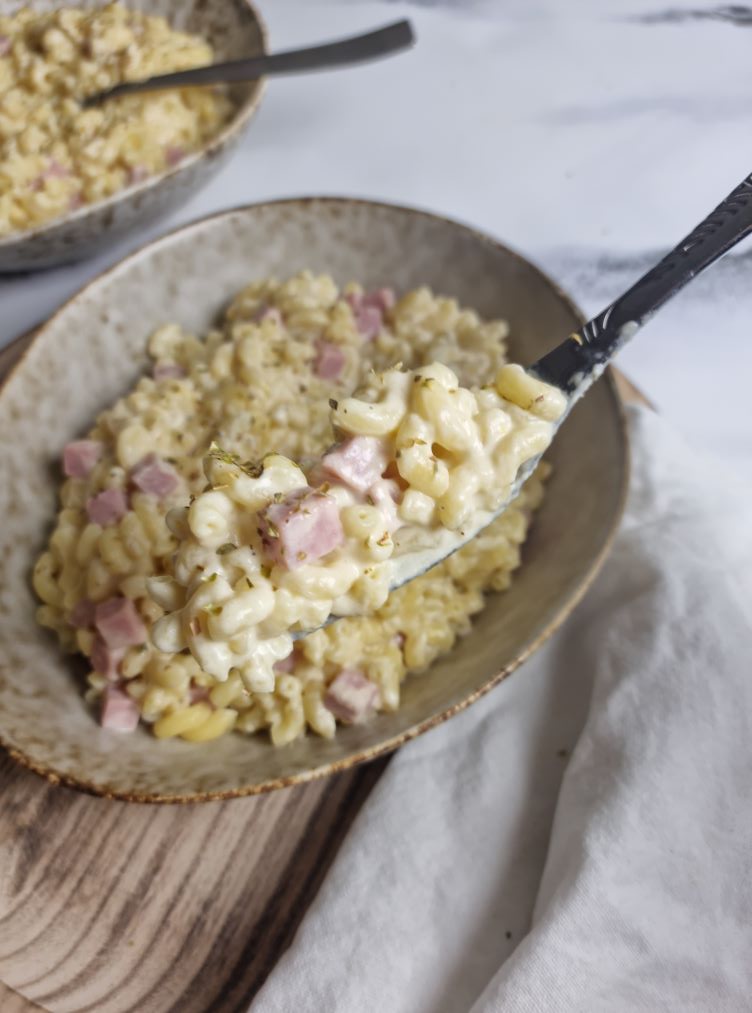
(262, 381)
(271, 549)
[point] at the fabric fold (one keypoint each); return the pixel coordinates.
(490, 871)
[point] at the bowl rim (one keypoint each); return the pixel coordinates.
(235, 125)
(393, 742)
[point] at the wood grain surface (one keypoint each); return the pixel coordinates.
(113, 907)
(108, 907)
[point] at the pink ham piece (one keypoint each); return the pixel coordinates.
(80, 456)
(55, 171)
(382, 298)
(106, 660)
(302, 528)
(352, 698)
(137, 174)
(359, 462)
(369, 321)
(107, 507)
(198, 694)
(154, 476)
(119, 624)
(286, 665)
(4, 45)
(167, 371)
(267, 313)
(82, 614)
(329, 361)
(386, 494)
(369, 309)
(173, 154)
(119, 712)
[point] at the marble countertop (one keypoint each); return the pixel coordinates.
(588, 135)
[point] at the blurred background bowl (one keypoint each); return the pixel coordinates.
(235, 30)
(94, 349)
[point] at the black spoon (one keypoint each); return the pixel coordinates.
(382, 42)
(576, 364)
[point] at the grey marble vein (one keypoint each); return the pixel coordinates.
(693, 107)
(733, 14)
(601, 276)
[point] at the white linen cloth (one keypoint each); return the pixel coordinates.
(477, 877)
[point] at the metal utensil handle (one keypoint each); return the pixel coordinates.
(381, 42)
(597, 342)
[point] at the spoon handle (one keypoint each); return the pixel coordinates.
(389, 39)
(578, 361)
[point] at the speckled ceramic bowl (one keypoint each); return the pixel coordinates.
(235, 30)
(93, 349)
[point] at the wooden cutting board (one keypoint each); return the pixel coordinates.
(108, 907)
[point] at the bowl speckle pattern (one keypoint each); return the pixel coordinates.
(93, 349)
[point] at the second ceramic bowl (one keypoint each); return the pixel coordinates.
(235, 29)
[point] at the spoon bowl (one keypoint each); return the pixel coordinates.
(574, 365)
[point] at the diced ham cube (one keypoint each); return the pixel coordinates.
(352, 697)
(359, 461)
(369, 321)
(119, 711)
(107, 507)
(80, 456)
(329, 361)
(198, 694)
(267, 313)
(302, 528)
(106, 660)
(382, 298)
(137, 174)
(55, 170)
(4, 45)
(167, 371)
(154, 476)
(286, 665)
(173, 154)
(82, 614)
(369, 309)
(386, 494)
(119, 624)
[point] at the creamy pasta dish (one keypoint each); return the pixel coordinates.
(56, 155)
(206, 514)
(268, 549)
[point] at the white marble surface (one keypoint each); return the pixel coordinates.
(589, 134)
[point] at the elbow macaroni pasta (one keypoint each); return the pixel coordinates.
(56, 155)
(251, 385)
(236, 614)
